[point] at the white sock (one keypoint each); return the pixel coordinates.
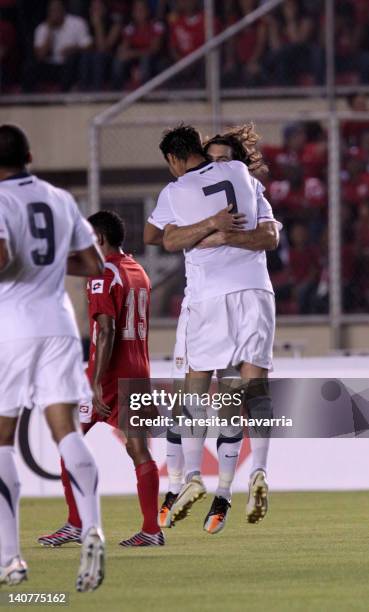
(82, 470)
(175, 462)
(228, 453)
(193, 438)
(259, 406)
(9, 506)
(259, 450)
(192, 450)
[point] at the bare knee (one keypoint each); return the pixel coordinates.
(138, 450)
(62, 420)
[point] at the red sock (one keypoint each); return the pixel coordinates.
(73, 516)
(148, 491)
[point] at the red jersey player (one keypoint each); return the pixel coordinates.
(118, 315)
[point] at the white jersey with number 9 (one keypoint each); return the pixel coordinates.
(42, 225)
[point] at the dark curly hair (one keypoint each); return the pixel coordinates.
(243, 142)
(182, 142)
(110, 225)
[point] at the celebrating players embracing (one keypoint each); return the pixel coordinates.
(231, 313)
(237, 144)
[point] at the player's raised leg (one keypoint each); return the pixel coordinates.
(83, 475)
(193, 439)
(175, 459)
(229, 444)
(148, 490)
(175, 462)
(228, 448)
(258, 405)
(13, 570)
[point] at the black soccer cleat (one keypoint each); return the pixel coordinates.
(164, 516)
(216, 517)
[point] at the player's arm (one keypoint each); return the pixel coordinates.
(85, 257)
(264, 238)
(179, 238)
(104, 349)
(153, 235)
(88, 262)
(4, 254)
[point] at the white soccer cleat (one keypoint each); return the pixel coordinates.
(14, 573)
(190, 493)
(91, 569)
(257, 503)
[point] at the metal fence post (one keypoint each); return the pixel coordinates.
(334, 228)
(94, 182)
(334, 185)
(212, 68)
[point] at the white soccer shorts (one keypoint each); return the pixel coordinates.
(41, 372)
(231, 329)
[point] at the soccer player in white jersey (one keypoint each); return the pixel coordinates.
(231, 302)
(42, 237)
(240, 144)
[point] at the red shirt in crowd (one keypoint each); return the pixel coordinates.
(140, 38)
(187, 33)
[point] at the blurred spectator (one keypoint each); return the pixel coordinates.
(294, 141)
(352, 62)
(355, 178)
(352, 130)
(9, 56)
(244, 53)
(186, 33)
(140, 48)
(293, 47)
(361, 246)
(304, 268)
(186, 29)
(96, 64)
(58, 44)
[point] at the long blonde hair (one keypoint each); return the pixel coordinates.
(243, 141)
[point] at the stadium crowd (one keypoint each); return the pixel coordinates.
(298, 189)
(99, 45)
(51, 45)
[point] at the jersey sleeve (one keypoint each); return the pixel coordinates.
(265, 211)
(101, 295)
(83, 235)
(4, 232)
(162, 214)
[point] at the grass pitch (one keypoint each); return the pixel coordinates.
(310, 553)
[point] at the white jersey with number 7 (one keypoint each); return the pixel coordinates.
(201, 193)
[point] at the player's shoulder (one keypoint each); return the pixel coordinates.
(237, 166)
(53, 190)
(167, 190)
(106, 280)
(128, 261)
(258, 185)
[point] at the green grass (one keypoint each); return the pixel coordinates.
(310, 553)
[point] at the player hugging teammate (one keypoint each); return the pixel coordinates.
(227, 317)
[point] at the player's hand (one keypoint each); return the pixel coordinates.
(225, 221)
(100, 407)
(212, 241)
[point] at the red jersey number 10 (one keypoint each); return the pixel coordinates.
(129, 331)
